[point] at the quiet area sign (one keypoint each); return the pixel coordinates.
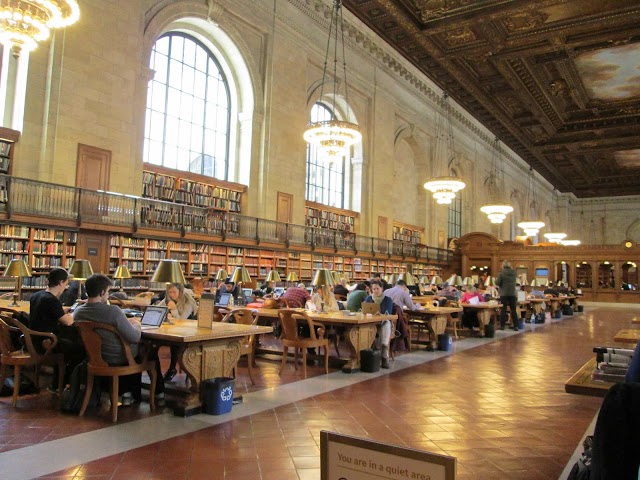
(349, 458)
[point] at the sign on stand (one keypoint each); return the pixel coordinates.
(349, 458)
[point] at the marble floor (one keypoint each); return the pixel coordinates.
(497, 405)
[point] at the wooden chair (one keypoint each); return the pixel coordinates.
(290, 338)
(146, 295)
(97, 367)
(116, 301)
(14, 355)
(245, 316)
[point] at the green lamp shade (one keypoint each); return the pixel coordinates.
(168, 271)
(122, 272)
(273, 276)
(240, 275)
(17, 268)
(81, 269)
(322, 277)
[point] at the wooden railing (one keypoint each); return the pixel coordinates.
(30, 197)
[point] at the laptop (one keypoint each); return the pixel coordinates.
(224, 299)
(278, 292)
(247, 292)
(371, 308)
(153, 317)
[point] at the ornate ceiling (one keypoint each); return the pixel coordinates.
(557, 80)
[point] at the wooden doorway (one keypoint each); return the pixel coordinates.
(95, 248)
(284, 213)
(92, 174)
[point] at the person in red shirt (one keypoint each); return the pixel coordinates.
(296, 297)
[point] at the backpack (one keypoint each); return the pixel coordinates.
(567, 310)
(73, 393)
(582, 468)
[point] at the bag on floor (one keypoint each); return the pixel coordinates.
(581, 470)
(558, 314)
(567, 310)
(27, 387)
(73, 393)
(539, 318)
(489, 330)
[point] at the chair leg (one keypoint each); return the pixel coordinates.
(285, 353)
(16, 384)
(337, 341)
(87, 395)
(250, 367)
(304, 361)
(61, 368)
(2, 374)
(36, 375)
(326, 359)
(295, 358)
(152, 392)
(114, 399)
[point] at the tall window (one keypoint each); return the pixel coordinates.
(325, 180)
(455, 217)
(188, 108)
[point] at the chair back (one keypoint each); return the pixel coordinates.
(7, 345)
(242, 316)
(116, 301)
(289, 319)
(92, 339)
(11, 326)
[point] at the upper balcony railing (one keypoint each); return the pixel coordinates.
(30, 197)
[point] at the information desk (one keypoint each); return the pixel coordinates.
(435, 319)
(628, 336)
(23, 306)
(360, 330)
(485, 311)
(202, 353)
(581, 382)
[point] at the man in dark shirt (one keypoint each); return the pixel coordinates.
(229, 287)
(47, 315)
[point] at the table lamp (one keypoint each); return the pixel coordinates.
(436, 280)
(490, 282)
(221, 275)
(457, 281)
(169, 271)
(336, 277)
(273, 277)
(17, 268)
(535, 283)
(424, 280)
(122, 272)
(408, 279)
(292, 277)
(468, 282)
(393, 279)
(241, 275)
(322, 278)
(80, 270)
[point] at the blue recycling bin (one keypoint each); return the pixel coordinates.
(218, 395)
(444, 342)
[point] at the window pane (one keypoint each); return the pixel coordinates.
(187, 107)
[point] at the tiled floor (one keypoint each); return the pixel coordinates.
(498, 406)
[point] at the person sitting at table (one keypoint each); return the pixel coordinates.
(73, 293)
(551, 291)
(229, 287)
(386, 308)
(377, 276)
(562, 289)
(181, 306)
(357, 296)
(324, 300)
(469, 315)
(97, 310)
(46, 314)
(536, 293)
(296, 297)
(400, 296)
(341, 288)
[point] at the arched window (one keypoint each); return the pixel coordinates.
(188, 108)
(325, 180)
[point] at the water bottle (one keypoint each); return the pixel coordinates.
(231, 301)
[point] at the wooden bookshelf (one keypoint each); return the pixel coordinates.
(407, 233)
(334, 227)
(8, 138)
(192, 189)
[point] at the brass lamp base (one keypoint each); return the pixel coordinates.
(15, 300)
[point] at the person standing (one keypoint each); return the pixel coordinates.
(506, 281)
(46, 314)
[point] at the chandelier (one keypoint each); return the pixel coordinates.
(530, 226)
(334, 137)
(496, 210)
(24, 23)
(570, 243)
(444, 188)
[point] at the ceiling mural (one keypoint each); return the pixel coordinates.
(557, 81)
(612, 73)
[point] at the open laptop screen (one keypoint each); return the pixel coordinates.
(153, 316)
(224, 299)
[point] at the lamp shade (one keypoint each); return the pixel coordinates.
(424, 280)
(436, 280)
(122, 272)
(535, 283)
(336, 277)
(169, 271)
(240, 275)
(322, 277)
(17, 268)
(490, 281)
(292, 277)
(221, 276)
(468, 282)
(81, 269)
(273, 276)
(457, 281)
(408, 279)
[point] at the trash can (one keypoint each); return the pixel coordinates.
(489, 330)
(444, 342)
(521, 324)
(218, 395)
(370, 360)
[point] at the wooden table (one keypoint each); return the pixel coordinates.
(202, 353)
(536, 304)
(581, 382)
(23, 306)
(360, 330)
(435, 319)
(423, 299)
(628, 336)
(136, 302)
(485, 311)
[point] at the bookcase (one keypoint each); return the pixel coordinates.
(407, 233)
(42, 248)
(333, 226)
(8, 138)
(190, 189)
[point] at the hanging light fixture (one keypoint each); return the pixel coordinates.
(530, 226)
(24, 23)
(334, 137)
(556, 237)
(444, 188)
(570, 243)
(496, 209)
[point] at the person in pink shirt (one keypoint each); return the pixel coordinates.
(470, 317)
(472, 293)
